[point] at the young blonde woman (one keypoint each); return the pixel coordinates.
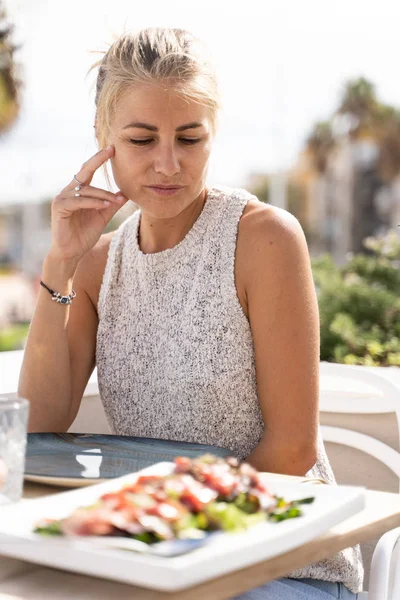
(199, 311)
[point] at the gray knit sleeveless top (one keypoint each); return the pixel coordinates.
(175, 355)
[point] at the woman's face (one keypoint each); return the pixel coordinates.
(160, 140)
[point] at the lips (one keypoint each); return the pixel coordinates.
(166, 187)
(165, 190)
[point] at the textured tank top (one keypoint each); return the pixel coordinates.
(174, 353)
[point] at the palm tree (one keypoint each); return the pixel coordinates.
(379, 121)
(359, 100)
(319, 145)
(370, 120)
(9, 84)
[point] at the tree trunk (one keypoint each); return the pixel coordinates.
(366, 220)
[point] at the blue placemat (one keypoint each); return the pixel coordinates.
(98, 456)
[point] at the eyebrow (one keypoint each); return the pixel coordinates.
(193, 125)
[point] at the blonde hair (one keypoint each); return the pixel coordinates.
(154, 55)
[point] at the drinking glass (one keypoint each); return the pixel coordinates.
(13, 425)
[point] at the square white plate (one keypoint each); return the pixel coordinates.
(224, 553)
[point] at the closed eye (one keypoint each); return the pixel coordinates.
(140, 142)
(188, 141)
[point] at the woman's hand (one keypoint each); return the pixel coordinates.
(78, 222)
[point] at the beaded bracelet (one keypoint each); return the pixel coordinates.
(57, 296)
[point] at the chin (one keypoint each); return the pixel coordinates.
(165, 207)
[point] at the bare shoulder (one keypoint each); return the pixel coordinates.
(268, 225)
(91, 268)
(271, 243)
(268, 233)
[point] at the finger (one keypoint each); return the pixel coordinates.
(89, 168)
(71, 204)
(88, 191)
(109, 211)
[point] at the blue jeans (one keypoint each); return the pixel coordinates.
(299, 589)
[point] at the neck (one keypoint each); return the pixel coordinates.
(156, 235)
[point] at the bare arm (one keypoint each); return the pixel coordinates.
(59, 353)
(60, 349)
(283, 314)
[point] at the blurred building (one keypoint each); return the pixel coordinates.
(17, 299)
(348, 201)
(25, 235)
(349, 171)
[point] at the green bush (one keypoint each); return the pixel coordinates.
(359, 305)
(13, 337)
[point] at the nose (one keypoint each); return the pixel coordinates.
(166, 161)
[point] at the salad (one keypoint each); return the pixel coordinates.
(201, 495)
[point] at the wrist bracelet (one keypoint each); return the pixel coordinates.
(57, 296)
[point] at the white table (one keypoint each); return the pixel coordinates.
(20, 580)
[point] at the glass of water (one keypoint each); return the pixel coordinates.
(13, 426)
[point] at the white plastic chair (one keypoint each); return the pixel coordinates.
(384, 580)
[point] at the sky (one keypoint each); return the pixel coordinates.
(281, 65)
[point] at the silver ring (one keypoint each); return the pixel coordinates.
(78, 182)
(77, 188)
(77, 195)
